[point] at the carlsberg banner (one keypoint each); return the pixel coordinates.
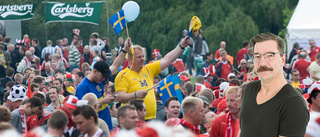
(86, 12)
(16, 12)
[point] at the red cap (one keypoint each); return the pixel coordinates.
(222, 106)
(27, 41)
(184, 78)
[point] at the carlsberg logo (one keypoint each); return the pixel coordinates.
(61, 10)
(18, 10)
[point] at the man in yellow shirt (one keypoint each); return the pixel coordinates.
(295, 78)
(135, 81)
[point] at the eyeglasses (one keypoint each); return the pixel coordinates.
(296, 75)
(268, 56)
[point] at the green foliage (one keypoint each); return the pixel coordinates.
(161, 22)
(287, 13)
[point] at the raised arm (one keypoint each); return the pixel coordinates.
(119, 60)
(174, 54)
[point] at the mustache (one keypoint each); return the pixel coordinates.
(264, 68)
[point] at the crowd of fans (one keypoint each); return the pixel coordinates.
(74, 89)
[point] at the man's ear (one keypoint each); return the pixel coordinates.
(91, 119)
(283, 61)
(121, 119)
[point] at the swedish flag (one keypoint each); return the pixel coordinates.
(118, 21)
(170, 87)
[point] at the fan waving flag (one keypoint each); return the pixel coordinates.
(170, 87)
(118, 21)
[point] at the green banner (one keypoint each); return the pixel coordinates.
(86, 12)
(16, 12)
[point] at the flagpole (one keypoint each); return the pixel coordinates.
(107, 19)
(127, 30)
(45, 24)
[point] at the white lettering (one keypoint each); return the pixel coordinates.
(62, 10)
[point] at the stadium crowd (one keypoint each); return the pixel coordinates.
(73, 89)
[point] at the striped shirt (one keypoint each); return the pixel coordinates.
(48, 49)
(59, 48)
(74, 56)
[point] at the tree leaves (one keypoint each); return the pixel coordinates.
(161, 22)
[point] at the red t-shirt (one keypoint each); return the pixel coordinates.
(313, 53)
(240, 54)
(217, 55)
(225, 71)
(207, 84)
(34, 122)
(219, 124)
(301, 65)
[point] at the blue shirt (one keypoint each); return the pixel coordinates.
(86, 86)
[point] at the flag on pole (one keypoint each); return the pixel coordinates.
(118, 21)
(170, 87)
(29, 93)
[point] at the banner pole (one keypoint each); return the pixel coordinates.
(107, 20)
(45, 24)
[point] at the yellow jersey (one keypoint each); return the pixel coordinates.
(131, 81)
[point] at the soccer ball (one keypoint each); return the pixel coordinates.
(17, 93)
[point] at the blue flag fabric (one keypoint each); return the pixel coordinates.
(118, 21)
(170, 87)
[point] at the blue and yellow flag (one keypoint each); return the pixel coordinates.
(170, 87)
(118, 21)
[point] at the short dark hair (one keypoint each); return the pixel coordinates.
(208, 54)
(38, 79)
(294, 70)
(166, 104)
(41, 97)
(137, 103)
(9, 72)
(57, 89)
(123, 109)
(58, 119)
(112, 88)
(76, 42)
(5, 114)
(34, 102)
(5, 96)
(87, 112)
(295, 45)
(59, 79)
(269, 36)
(80, 74)
(157, 77)
(235, 81)
(2, 46)
(6, 39)
(314, 94)
(189, 86)
(245, 43)
(58, 71)
(23, 49)
(10, 84)
(35, 40)
(34, 85)
(219, 81)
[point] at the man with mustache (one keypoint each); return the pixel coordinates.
(271, 106)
